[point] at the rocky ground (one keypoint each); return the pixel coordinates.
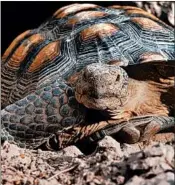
(110, 163)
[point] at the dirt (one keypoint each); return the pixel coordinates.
(111, 163)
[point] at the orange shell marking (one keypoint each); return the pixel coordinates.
(99, 30)
(74, 9)
(46, 54)
(147, 23)
(14, 43)
(125, 7)
(151, 56)
(142, 12)
(22, 51)
(63, 8)
(85, 16)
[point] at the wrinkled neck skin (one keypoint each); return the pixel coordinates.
(149, 92)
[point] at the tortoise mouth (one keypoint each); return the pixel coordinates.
(86, 100)
(107, 103)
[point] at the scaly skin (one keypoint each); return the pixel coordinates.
(141, 94)
(33, 119)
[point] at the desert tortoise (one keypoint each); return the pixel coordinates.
(38, 100)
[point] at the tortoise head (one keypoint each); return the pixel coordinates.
(102, 87)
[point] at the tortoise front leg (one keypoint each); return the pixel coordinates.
(160, 123)
(136, 129)
(31, 121)
(143, 128)
(91, 132)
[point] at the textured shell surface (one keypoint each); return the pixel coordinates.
(75, 36)
(80, 34)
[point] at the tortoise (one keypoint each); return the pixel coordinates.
(116, 61)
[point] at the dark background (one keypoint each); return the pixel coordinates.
(19, 16)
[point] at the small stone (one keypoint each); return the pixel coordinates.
(130, 148)
(71, 151)
(120, 179)
(136, 181)
(39, 161)
(22, 156)
(162, 179)
(111, 144)
(45, 182)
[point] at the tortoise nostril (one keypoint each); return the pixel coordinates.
(118, 78)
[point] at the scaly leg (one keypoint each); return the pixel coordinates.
(140, 128)
(30, 121)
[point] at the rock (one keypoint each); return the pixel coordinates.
(130, 148)
(135, 181)
(158, 156)
(110, 144)
(154, 163)
(162, 179)
(46, 182)
(71, 151)
(9, 150)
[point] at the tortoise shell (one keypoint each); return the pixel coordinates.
(80, 34)
(38, 62)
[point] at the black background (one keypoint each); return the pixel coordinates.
(19, 16)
